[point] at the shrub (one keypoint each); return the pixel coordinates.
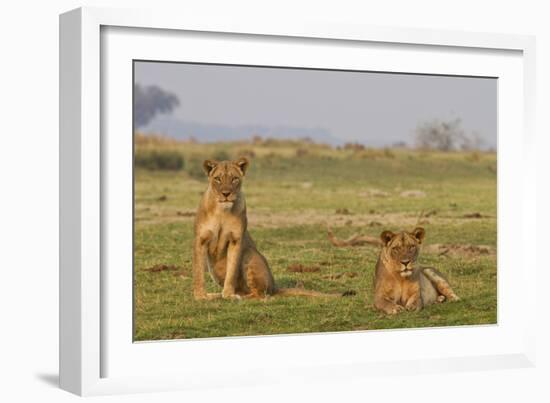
(221, 155)
(354, 147)
(158, 160)
(446, 136)
(246, 153)
(153, 140)
(194, 168)
(374, 153)
(388, 153)
(474, 156)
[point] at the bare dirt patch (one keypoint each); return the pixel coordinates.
(412, 193)
(258, 218)
(314, 217)
(300, 268)
(374, 193)
(355, 240)
(186, 213)
(161, 267)
(338, 276)
(475, 215)
(467, 251)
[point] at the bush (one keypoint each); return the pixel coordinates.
(221, 155)
(446, 136)
(159, 160)
(374, 153)
(246, 153)
(389, 153)
(474, 156)
(301, 152)
(194, 168)
(354, 147)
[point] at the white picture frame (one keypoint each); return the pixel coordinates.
(97, 355)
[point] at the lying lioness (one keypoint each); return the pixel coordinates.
(400, 284)
(222, 243)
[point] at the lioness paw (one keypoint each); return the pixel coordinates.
(395, 309)
(200, 296)
(231, 296)
(413, 307)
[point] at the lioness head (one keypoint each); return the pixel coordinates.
(401, 250)
(225, 178)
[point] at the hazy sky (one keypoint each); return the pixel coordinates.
(373, 108)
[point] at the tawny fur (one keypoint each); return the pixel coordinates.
(222, 244)
(399, 283)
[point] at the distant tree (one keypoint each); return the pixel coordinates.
(439, 135)
(472, 142)
(446, 136)
(354, 146)
(149, 101)
(257, 139)
(399, 144)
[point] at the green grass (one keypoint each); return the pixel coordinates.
(291, 201)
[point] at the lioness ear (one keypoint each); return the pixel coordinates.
(386, 236)
(419, 234)
(208, 166)
(242, 163)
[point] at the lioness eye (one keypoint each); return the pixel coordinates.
(217, 179)
(235, 180)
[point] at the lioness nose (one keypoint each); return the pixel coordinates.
(225, 193)
(405, 262)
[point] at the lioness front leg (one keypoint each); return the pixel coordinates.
(234, 250)
(414, 303)
(200, 251)
(388, 306)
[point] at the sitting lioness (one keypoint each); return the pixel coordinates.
(222, 243)
(399, 283)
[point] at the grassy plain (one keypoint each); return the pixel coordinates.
(294, 192)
